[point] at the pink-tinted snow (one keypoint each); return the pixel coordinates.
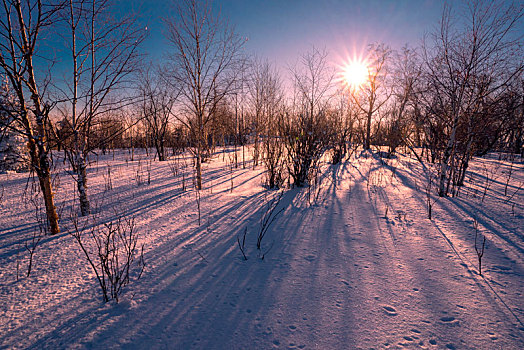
(340, 272)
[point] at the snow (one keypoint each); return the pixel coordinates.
(339, 274)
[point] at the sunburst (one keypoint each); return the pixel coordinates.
(355, 74)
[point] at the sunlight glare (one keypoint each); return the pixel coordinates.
(356, 74)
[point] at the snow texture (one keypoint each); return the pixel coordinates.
(352, 264)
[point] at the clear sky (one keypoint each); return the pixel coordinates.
(281, 30)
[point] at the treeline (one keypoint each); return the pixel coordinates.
(458, 95)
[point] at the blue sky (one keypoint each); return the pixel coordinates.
(282, 30)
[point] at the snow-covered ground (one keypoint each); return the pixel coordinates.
(354, 263)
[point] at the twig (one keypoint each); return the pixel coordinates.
(242, 246)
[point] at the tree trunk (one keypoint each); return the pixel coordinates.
(442, 192)
(198, 170)
(25, 39)
(41, 165)
(81, 184)
(160, 150)
(463, 169)
(43, 171)
(255, 149)
(198, 165)
(367, 141)
(52, 217)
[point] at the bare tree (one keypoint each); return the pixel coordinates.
(269, 216)
(38, 233)
(468, 63)
(513, 134)
(113, 252)
(157, 102)
(266, 99)
(103, 56)
(206, 56)
(406, 73)
(305, 128)
(342, 118)
(263, 86)
(21, 25)
(372, 95)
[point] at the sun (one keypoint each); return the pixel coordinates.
(355, 74)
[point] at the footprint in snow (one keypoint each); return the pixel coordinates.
(390, 311)
(450, 320)
(447, 319)
(501, 269)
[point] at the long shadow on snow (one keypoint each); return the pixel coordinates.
(243, 287)
(438, 298)
(191, 270)
(485, 289)
(226, 297)
(197, 313)
(451, 207)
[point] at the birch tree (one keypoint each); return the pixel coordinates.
(103, 53)
(21, 27)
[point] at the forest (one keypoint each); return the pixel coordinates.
(213, 199)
